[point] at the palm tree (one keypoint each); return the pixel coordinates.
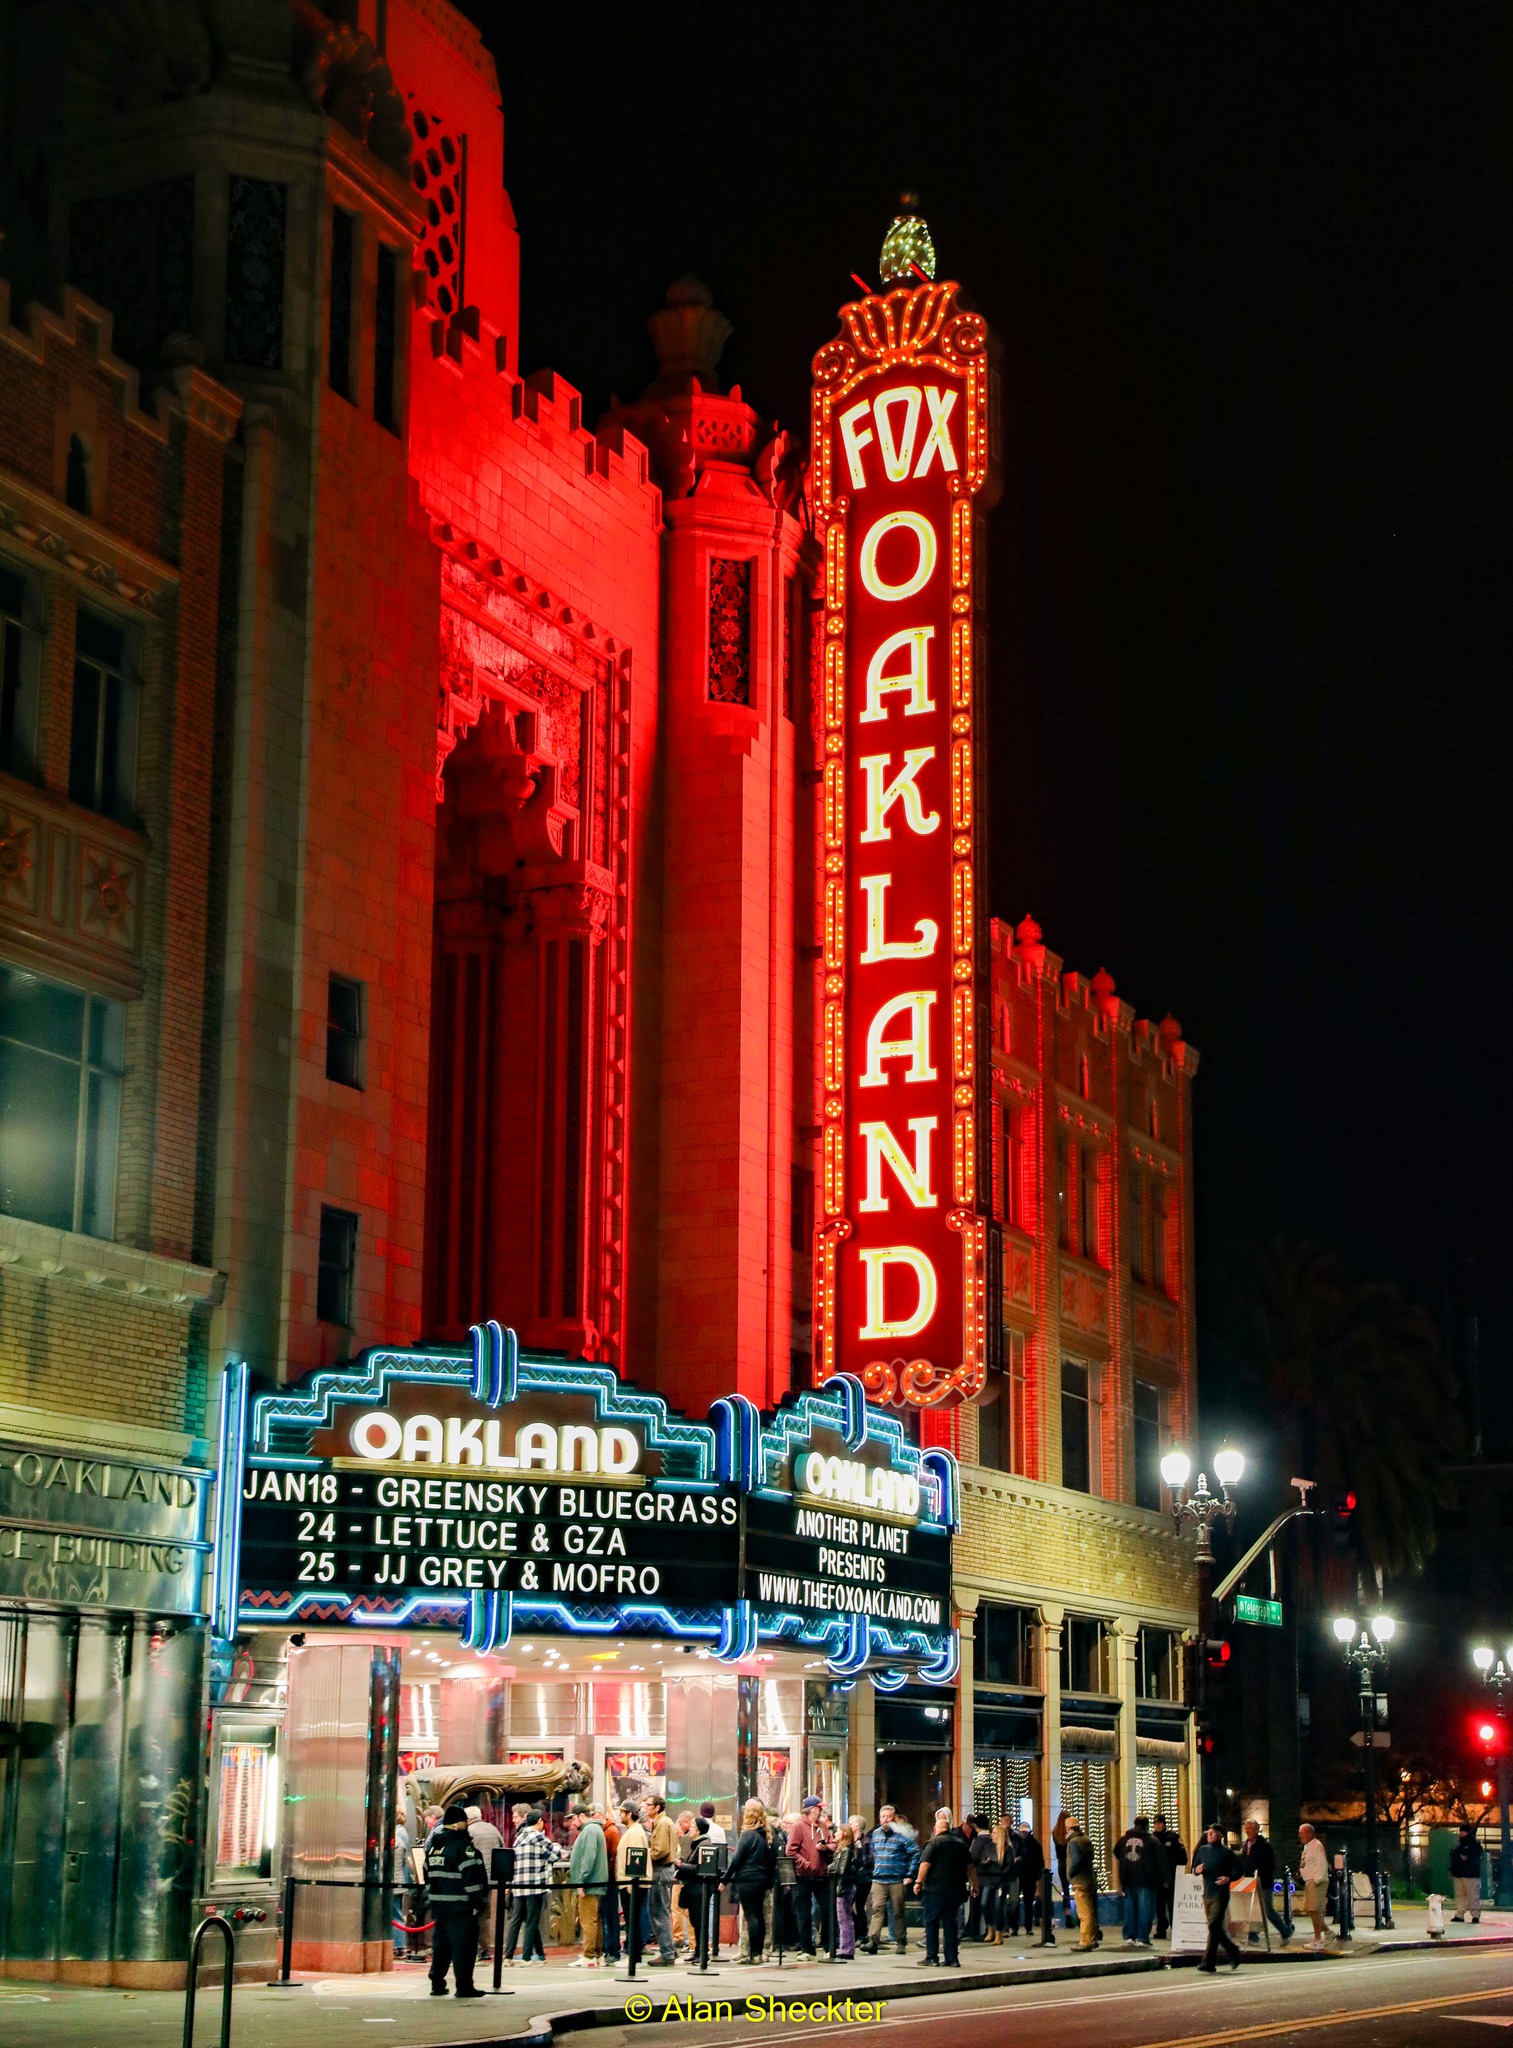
(1347, 1380)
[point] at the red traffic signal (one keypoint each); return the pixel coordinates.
(1487, 1735)
(1342, 1506)
(1218, 1654)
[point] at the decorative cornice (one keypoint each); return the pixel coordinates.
(118, 1269)
(67, 540)
(92, 1433)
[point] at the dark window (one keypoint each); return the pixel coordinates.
(343, 261)
(386, 339)
(1147, 1445)
(345, 1004)
(133, 252)
(60, 1103)
(800, 1370)
(1005, 1644)
(78, 481)
(1087, 1191)
(102, 765)
(1076, 1461)
(255, 273)
(20, 648)
(1158, 1205)
(338, 1266)
(1159, 1664)
(1083, 1663)
(1137, 1260)
(801, 1209)
(730, 632)
(1065, 1153)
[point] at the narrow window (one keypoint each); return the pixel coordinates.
(1076, 1461)
(78, 492)
(800, 1209)
(343, 255)
(20, 666)
(788, 647)
(1147, 1446)
(730, 632)
(1064, 1156)
(338, 1266)
(61, 1063)
(1137, 1263)
(102, 768)
(386, 340)
(346, 1003)
(255, 237)
(1158, 1267)
(1087, 1189)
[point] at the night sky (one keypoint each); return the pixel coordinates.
(1250, 572)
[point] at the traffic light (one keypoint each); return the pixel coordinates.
(1218, 1653)
(1487, 1737)
(1342, 1506)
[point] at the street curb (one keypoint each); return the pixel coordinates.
(544, 2028)
(1393, 1948)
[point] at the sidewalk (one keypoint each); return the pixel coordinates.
(550, 2001)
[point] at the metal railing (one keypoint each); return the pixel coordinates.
(213, 1923)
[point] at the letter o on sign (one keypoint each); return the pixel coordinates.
(924, 568)
(376, 1436)
(814, 1473)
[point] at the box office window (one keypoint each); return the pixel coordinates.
(61, 1065)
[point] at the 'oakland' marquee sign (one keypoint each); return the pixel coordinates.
(901, 457)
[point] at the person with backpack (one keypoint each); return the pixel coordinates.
(1082, 1876)
(1138, 1863)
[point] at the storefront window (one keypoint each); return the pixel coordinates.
(1006, 1644)
(1084, 1656)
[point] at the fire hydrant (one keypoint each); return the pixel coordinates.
(1436, 1917)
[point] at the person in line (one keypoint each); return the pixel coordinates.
(1258, 1860)
(1006, 1898)
(609, 1914)
(663, 1861)
(1173, 1853)
(1313, 1870)
(1216, 1863)
(588, 1873)
(987, 1871)
(401, 1878)
(1031, 1870)
(1465, 1875)
(685, 1836)
(1059, 1833)
(536, 1857)
(485, 1838)
(809, 1874)
(632, 1836)
(942, 1880)
(456, 1882)
(1138, 1863)
(895, 1859)
(1081, 1866)
(848, 1866)
(749, 1875)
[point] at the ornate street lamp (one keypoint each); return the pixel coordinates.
(1498, 1673)
(1201, 1509)
(1367, 1658)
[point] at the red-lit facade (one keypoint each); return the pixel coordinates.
(583, 798)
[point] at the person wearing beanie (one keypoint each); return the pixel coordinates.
(456, 1883)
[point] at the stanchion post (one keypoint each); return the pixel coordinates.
(1047, 1932)
(833, 1892)
(287, 1931)
(633, 1931)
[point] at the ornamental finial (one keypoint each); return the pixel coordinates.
(907, 246)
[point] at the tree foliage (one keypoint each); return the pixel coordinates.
(1344, 1382)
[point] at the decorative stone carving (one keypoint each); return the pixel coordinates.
(346, 78)
(125, 54)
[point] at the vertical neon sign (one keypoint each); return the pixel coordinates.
(901, 457)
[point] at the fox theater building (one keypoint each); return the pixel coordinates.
(564, 1251)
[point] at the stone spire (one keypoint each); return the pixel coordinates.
(689, 337)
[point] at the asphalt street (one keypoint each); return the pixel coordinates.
(1412, 2001)
(1417, 2000)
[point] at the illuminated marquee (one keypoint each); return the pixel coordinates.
(901, 456)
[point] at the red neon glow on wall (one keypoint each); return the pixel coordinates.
(901, 450)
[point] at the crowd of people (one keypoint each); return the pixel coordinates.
(804, 1884)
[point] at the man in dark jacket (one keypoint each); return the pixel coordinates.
(1138, 1862)
(942, 1881)
(1465, 1875)
(1173, 1853)
(1259, 1861)
(456, 1881)
(1082, 1877)
(1218, 1867)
